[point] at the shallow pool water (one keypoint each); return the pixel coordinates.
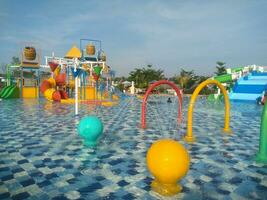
(43, 157)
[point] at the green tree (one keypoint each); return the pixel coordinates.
(185, 79)
(119, 79)
(221, 69)
(15, 61)
(206, 90)
(188, 81)
(142, 77)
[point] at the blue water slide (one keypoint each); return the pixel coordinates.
(250, 87)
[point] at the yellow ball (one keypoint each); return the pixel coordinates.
(168, 161)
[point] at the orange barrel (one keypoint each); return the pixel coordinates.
(30, 53)
(90, 49)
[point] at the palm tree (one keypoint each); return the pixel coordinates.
(220, 68)
(186, 79)
(183, 81)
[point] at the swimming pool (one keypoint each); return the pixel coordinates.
(42, 156)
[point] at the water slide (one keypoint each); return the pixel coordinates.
(51, 94)
(250, 87)
(225, 78)
(9, 92)
(48, 94)
(4, 90)
(48, 88)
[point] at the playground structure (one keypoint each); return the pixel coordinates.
(26, 85)
(243, 83)
(30, 62)
(88, 77)
(81, 76)
(11, 90)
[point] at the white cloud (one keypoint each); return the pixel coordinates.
(169, 34)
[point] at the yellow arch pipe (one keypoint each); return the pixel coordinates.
(189, 136)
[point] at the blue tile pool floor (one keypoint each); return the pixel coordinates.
(42, 156)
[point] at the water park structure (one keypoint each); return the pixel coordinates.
(82, 76)
(27, 84)
(243, 83)
(11, 90)
(133, 100)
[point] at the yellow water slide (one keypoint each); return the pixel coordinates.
(48, 94)
(48, 88)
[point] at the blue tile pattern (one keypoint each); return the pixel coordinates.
(42, 157)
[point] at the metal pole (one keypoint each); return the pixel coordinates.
(21, 81)
(76, 86)
(81, 48)
(38, 82)
(84, 84)
(8, 76)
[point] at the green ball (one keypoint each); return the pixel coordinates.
(90, 128)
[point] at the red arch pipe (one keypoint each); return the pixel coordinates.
(150, 89)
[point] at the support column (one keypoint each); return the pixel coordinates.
(76, 86)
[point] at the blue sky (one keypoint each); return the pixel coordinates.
(168, 34)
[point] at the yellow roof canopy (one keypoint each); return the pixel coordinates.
(74, 52)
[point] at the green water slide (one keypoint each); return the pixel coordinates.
(262, 154)
(4, 90)
(237, 69)
(9, 92)
(224, 78)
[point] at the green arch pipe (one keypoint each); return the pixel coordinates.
(262, 154)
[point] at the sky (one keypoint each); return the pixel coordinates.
(169, 34)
